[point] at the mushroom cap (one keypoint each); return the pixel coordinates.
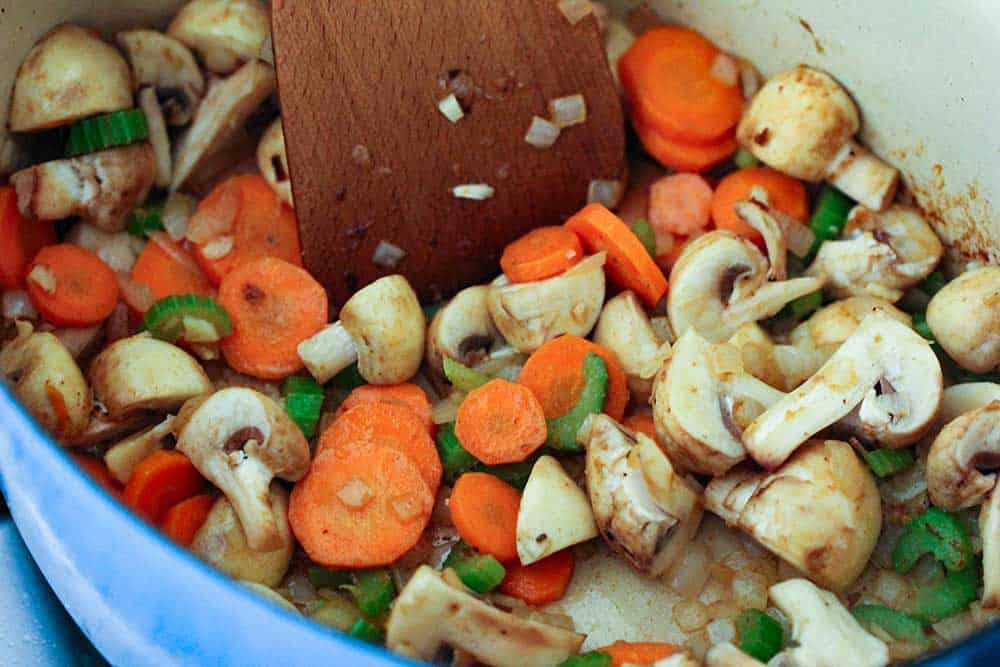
(272, 160)
(167, 65)
(625, 329)
(68, 75)
(833, 324)
(122, 457)
(966, 397)
(462, 329)
(960, 456)
(225, 33)
(965, 319)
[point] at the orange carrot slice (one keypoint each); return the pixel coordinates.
(542, 582)
(74, 288)
(785, 193)
(680, 156)
(638, 653)
(20, 240)
(159, 482)
(541, 253)
(183, 520)
(484, 511)
(500, 422)
(165, 274)
(680, 204)
(406, 394)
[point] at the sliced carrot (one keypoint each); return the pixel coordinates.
(641, 424)
(638, 653)
(785, 193)
(363, 509)
(20, 240)
(669, 81)
(628, 265)
(183, 520)
(85, 288)
(680, 156)
(274, 306)
(165, 275)
(99, 473)
(542, 582)
(159, 482)
(406, 394)
(541, 253)
(554, 374)
(385, 424)
(680, 204)
(484, 510)
(500, 422)
(263, 226)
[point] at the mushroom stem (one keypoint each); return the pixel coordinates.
(158, 136)
(328, 352)
(863, 176)
(989, 529)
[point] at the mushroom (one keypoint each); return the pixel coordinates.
(222, 543)
(165, 66)
(823, 480)
(68, 75)
(554, 513)
(682, 658)
(272, 160)
(463, 330)
(122, 458)
(824, 633)
(831, 325)
(101, 187)
(625, 329)
(643, 506)
(224, 33)
(702, 399)
(430, 614)
(802, 123)
(885, 370)
(530, 314)
(240, 440)
(158, 137)
(101, 428)
(46, 380)
(143, 373)
(221, 116)
(270, 594)
(382, 327)
(963, 457)
(721, 281)
(965, 319)
(727, 655)
(989, 529)
(881, 255)
(966, 397)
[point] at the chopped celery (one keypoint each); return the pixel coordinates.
(146, 218)
(117, 128)
(588, 659)
(829, 215)
(921, 327)
(951, 595)
(760, 635)
(479, 572)
(562, 430)
(934, 532)
(183, 315)
(339, 613)
(367, 632)
(454, 458)
(462, 377)
(644, 231)
(888, 462)
(515, 474)
(348, 379)
(933, 283)
(806, 305)
(744, 158)
(374, 591)
(324, 577)
(898, 624)
(303, 403)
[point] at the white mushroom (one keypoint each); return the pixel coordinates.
(46, 380)
(240, 440)
(122, 458)
(823, 480)
(142, 373)
(727, 655)
(382, 327)
(159, 139)
(554, 513)
(884, 370)
(529, 314)
(963, 457)
(166, 66)
(430, 614)
(224, 33)
(802, 123)
(966, 397)
(989, 530)
(272, 160)
(831, 325)
(824, 634)
(101, 187)
(270, 594)
(965, 319)
(101, 428)
(68, 75)
(625, 329)
(462, 330)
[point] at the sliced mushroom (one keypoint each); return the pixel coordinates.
(46, 380)
(222, 543)
(463, 330)
(989, 530)
(727, 655)
(272, 161)
(101, 428)
(963, 458)
(529, 314)
(824, 633)
(802, 123)
(554, 513)
(166, 66)
(224, 33)
(101, 187)
(68, 75)
(122, 458)
(966, 397)
(965, 319)
(721, 282)
(831, 325)
(240, 440)
(227, 105)
(823, 480)
(382, 327)
(158, 137)
(884, 369)
(430, 614)
(625, 329)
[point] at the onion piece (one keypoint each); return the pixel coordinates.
(575, 10)
(137, 295)
(387, 255)
(217, 248)
(608, 193)
(77, 340)
(446, 409)
(177, 211)
(477, 191)
(175, 251)
(17, 306)
(216, 214)
(43, 276)
(541, 133)
(725, 70)
(117, 326)
(568, 111)
(267, 50)
(750, 78)
(451, 109)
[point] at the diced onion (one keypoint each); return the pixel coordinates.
(387, 255)
(541, 133)
(77, 340)
(217, 248)
(690, 616)
(750, 78)
(750, 590)
(721, 630)
(174, 251)
(177, 211)
(355, 494)
(451, 109)
(892, 589)
(568, 111)
(477, 191)
(216, 215)
(446, 409)
(955, 627)
(689, 575)
(575, 10)
(725, 70)
(799, 237)
(17, 306)
(608, 193)
(300, 588)
(43, 276)
(905, 486)
(137, 295)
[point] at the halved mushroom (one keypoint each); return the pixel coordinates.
(272, 160)
(885, 370)
(963, 458)
(642, 504)
(965, 319)
(240, 440)
(966, 397)
(702, 400)
(430, 614)
(382, 327)
(159, 139)
(462, 330)
(143, 373)
(831, 325)
(68, 75)
(46, 380)
(989, 530)
(802, 123)
(625, 329)
(222, 543)
(721, 282)
(166, 66)
(122, 458)
(554, 513)
(529, 314)
(224, 33)
(101, 187)
(101, 428)
(823, 480)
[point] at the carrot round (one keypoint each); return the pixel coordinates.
(99, 473)
(263, 226)
(274, 306)
(670, 81)
(364, 508)
(484, 510)
(406, 394)
(165, 275)
(159, 482)
(641, 424)
(85, 288)
(20, 240)
(554, 374)
(680, 156)
(500, 422)
(638, 653)
(628, 265)
(785, 193)
(389, 425)
(541, 253)
(680, 204)
(183, 520)
(542, 582)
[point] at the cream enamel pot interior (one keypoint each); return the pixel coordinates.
(922, 72)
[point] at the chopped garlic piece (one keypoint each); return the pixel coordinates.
(451, 109)
(541, 133)
(568, 111)
(478, 191)
(42, 276)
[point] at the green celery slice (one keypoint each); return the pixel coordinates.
(888, 462)
(304, 403)
(479, 572)
(829, 215)
(165, 319)
(760, 635)
(562, 430)
(117, 128)
(454, 458)
(588, 659)
(644, 231)
(898, 624)
(462, 377)
(934, 532)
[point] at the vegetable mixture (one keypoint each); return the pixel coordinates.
(742, 371)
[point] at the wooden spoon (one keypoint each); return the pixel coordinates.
(372, 159)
